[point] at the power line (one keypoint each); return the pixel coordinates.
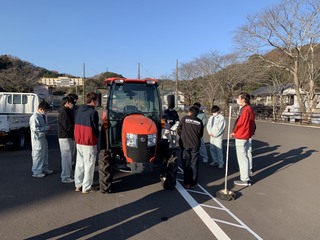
(151, 75)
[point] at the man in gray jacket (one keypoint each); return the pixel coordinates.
(39, 144)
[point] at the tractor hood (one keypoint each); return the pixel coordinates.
(138, 124)
(139, 137)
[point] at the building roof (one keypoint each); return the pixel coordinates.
(268, 90)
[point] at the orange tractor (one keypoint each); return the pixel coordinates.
(131, 138)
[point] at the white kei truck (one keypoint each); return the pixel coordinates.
(15, 111)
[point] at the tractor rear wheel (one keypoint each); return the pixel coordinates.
(106, 164)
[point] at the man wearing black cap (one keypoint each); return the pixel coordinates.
(190, 130)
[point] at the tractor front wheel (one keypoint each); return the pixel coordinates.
(169, 176)
(106, 164)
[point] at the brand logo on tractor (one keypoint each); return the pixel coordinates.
(142, 139)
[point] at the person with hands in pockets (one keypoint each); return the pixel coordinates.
(215, 127)
(66, 138)
(86, 133)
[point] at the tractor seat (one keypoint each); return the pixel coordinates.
(130, 108)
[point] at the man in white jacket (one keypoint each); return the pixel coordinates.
(215, 127)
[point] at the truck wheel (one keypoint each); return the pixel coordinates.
(169, 177)
(19, 140)
(106, 164)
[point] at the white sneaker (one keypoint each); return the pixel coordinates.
(39, 175)
(47, 172)
(213, 164)
(242, 183)
(68, 180)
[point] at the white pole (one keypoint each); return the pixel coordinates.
(227, 154)
(177, 77)
(84, 77)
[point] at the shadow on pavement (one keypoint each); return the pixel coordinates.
(122, 222)
(267, 165)
(266, 161)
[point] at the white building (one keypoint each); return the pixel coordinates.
(164, 99)
(61, 82)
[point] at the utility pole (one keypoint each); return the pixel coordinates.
(177, 76)
(138, 70)
(84, 77)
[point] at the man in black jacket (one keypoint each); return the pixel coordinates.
(190, 131)
(66, 138)
(171, 118)
(74, 110)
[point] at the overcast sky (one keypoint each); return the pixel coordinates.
(116, 35)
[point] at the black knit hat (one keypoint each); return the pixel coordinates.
(194, 111)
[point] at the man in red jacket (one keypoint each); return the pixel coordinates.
(86, 133)
(243, 130)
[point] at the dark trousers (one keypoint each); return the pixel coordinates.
(190, 164)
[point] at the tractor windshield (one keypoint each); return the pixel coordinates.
(135, 98)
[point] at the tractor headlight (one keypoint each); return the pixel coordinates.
(132, 140)
(152, 140)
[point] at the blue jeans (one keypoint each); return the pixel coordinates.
(190, 164)
(74, 152)
(242, 149)
(203, 151)
(66, 150)
(39, 154)
(216, 150)
(84, 170)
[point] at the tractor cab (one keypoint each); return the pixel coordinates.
(131, 132)
(131, 97)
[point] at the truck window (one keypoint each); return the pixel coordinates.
(17, 99)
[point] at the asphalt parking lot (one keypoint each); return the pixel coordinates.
(282, 203)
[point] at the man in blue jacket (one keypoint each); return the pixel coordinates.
(86, 133)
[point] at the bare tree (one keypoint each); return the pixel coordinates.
(276, 79)
(212, 76)
(20, 76)
(293, 29)
(231, 77)
(207, 66)
(223, 76)
(187, 73)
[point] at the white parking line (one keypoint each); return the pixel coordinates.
(210, 222)
(204, 216)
